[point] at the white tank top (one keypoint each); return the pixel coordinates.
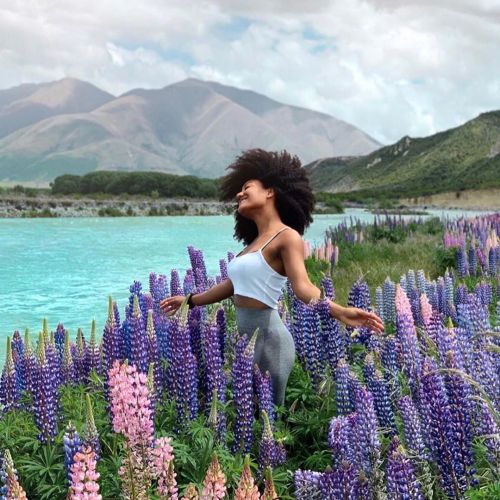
(253, 277)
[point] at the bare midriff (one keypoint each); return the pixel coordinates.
(242, 301)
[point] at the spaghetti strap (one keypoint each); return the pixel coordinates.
(272, 238)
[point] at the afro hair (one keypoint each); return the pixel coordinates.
(277, 170)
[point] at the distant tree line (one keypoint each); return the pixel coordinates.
(156, 184)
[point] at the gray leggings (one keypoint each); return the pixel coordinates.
(274, 348)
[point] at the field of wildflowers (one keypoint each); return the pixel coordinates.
(168, 408)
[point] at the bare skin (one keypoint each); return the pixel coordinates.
(285, 254)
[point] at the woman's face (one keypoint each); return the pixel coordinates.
(253, 195)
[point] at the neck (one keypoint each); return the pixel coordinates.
(267, 222)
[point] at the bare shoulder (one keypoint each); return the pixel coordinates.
(291, 238)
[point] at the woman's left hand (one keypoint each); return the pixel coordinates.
(355, 317)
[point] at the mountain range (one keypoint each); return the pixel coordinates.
(461, 158)
(190, 127)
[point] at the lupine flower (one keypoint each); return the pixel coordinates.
(45, 397)
(163, 468)
(343, 440)
(9, 390)
(401, 478)
(80, 357)
(354, 385)
(306, 484)
(269, 492)
(223, 269)
(191, 493)
(311, 331)
(383, 407)
(271, 453)
(138, 339)
(425, 310)
(247, 489)
(59, 336)
(367, 428)
(264, 391)
(389, 292)
(242, 371)
(112, 347)
(14, 491)
(90, 434)
(222, 331)
(29, 363)
(342, 397)
(487, 429)
(93, 355)
(68, 373)
(214, 484)
(327, 284)
(412, 427)
(84, 476)
(188, 285)
(72, 443)
(379, 302)
(331, 338)
(153, 353)
(175, 283)
(339, 483)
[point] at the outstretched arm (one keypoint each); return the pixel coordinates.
(292, 253)
(217, 293)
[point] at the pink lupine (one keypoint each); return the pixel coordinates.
(163, 468)
(191, 493)
(214, 484)
(269, 490)
(84, 476)
(402, 302)
(247, 489)
(425, 310)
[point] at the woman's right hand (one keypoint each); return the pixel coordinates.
(170, 305)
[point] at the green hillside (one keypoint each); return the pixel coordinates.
(466, 157)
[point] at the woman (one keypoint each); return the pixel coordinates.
(275, 203)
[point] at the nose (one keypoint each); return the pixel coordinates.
(239, 195)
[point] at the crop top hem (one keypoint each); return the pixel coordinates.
(251, 295)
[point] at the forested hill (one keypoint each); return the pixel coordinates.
(465, 157)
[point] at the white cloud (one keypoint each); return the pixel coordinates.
(388, 66)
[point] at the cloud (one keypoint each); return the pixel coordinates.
(387, 66)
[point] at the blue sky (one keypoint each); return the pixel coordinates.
(389, 67)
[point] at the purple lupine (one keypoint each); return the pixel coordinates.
(199, 268)
(440, 429)
(59, 336)
(462, 266)
(401, 478)
(112, 347)
(379, 302)
(90, 434)
(9, 389)
(93, 353)
(312, 345)
(175, 283)
(138, 355)
(306, 484)
(412, 427)
(367, 429)
(461, 294)
(188, 285)
(220, 319)
(18, 356)
(383, 407)
(223, 269)
(415, 306)
(493, 261)
(327, 284)
(242, 371)
(29, 363)
(369, 371)
(339, 483)
(45, 396)
(342, 397)
(390, 367)
(389, 293)
(343, 440)
(331, 337)
(72, 444)
(194, 330)
(68, 373)
(472, 261)
(271, 453)
(153, 354)
(214, 368)
(487, 429)
(421, 281)
(359, 296)
(264, 390)
(354, 384)
(80, 358)
(53, 361)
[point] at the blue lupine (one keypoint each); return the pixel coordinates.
(175, 283)
(331, 337)
(90, 435)
(401, 477)
(327, 284)
(359, 296)
(199, 268)
(487, 429)
(45, 397)
(383, 407)
(138, 355)
(432, 294)
(369, 371)
(153, 354)
(461, 294)
(264, 391)
(412, 427)
(4, 490)
(271, 453)
(367, 428)
(462, 266)
(343, 440)
(9, 389)
(354, 384)
(220, 319)
(59, 336)
(411, 281)
(242, 371)
(111, 340)
(415, 306)
(441, 430)
(343, 482)
(389, 293)
(306, 484)
(312, 345)
(72, 444)
(18, 358)
(379, 302)
(342, 393)
(421, 281)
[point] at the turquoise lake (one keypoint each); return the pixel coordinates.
(65, 268)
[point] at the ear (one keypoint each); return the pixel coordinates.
(270, 193)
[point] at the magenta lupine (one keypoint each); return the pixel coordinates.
(247, 489)
(271, 452)
(45, 397)
(93, 353)
(401, 478)
(72, 443)
(84, 476)
(306, 484)
(214, 484)
(90, 434)
(9, 390)
(412, 427)
(163, 468)
(342, 397)
(264, 390)
(242, 371)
